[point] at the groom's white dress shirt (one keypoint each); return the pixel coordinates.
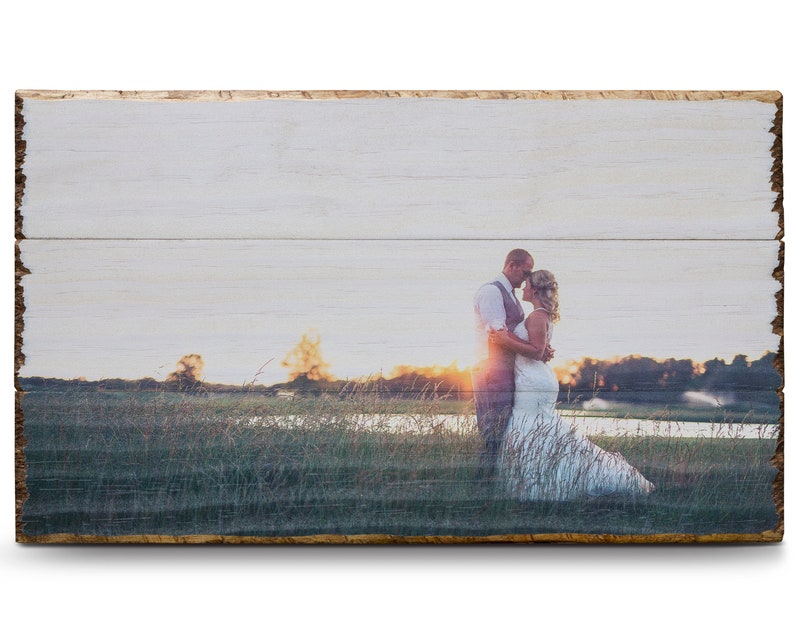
(489, 314)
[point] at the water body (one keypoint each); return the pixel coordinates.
(586, 424)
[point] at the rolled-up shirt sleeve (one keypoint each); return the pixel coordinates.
(490, 308)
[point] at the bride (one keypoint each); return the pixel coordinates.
(543, 457)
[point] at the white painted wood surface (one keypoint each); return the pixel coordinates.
(413, 168)
(230, 224)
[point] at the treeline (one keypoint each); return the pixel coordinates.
(29, 384)
(647, 379)
(633, 378)
(409, 384)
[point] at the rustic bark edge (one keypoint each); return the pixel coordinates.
(767, 96)
(383, 539)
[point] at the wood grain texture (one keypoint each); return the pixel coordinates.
(381, 539)
(372, 234)
(768, 96)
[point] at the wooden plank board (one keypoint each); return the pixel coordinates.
(227, 226)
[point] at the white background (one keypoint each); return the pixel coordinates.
(406, 45)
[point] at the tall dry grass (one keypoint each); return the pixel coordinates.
(160, 463)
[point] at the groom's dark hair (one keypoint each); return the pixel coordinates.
(517, 255)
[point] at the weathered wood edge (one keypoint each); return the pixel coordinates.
(385, 539)
(767, 96)
(20, 467)
(776, 183)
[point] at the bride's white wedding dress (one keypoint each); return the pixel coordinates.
(545, 458)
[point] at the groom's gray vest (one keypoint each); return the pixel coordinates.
(514, 315)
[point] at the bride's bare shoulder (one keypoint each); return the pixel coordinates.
(538, 316)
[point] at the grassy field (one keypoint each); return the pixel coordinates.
(149, 463)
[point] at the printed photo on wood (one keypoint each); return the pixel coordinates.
(399, 317)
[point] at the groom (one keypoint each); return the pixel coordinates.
(496, 307)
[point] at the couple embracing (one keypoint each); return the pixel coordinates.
(527, 447)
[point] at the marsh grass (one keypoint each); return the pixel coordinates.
(157, 463)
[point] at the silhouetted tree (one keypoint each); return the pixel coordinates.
(188, 371)
(762, 373)
(677, 374)
(306, 360)
(441, 379)
(634, 374)
(588, 375)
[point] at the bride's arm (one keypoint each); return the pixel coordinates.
(535, 348)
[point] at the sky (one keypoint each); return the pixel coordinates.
(229, 229)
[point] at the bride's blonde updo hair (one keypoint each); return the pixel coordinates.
(545, 284)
